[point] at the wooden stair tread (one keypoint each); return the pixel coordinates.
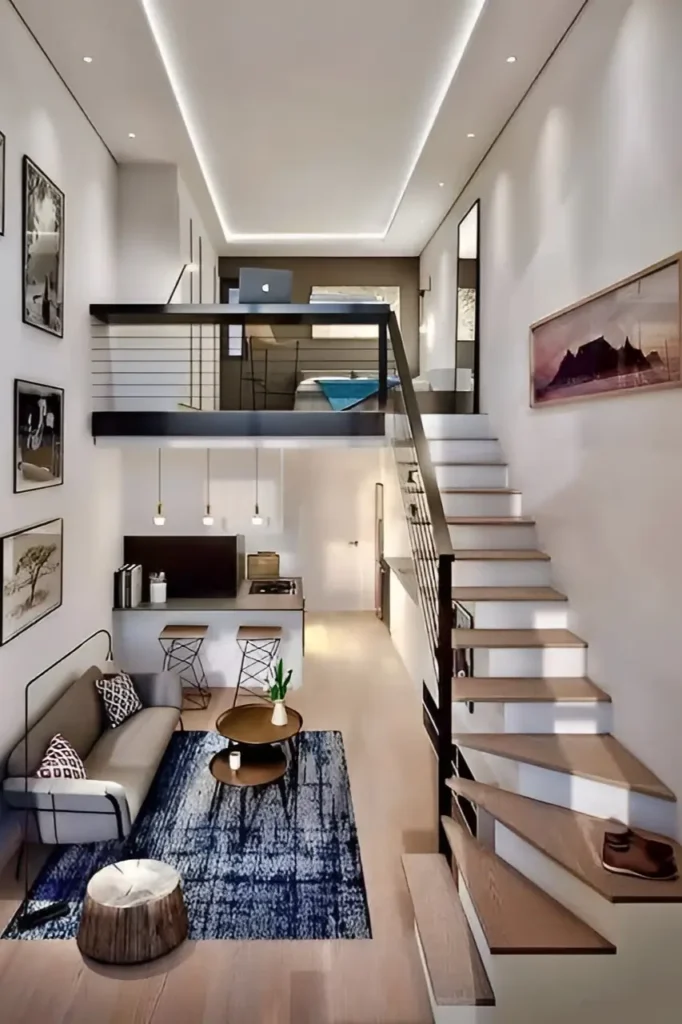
(572, 839)
(490, 521)
(518, 691)
(507, 594)
(600, 758)
(478, 490)
(515, 915)
(501, 555)
(453, 963)
(505, 638)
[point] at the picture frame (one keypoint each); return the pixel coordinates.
(32, 576)
(42, 240)
(3, 147)
(38, 436)
(624, 339)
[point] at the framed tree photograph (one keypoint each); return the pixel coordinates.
(38, 436)
(32, 576)
(623, 340)
(43, 251)
(2, 184)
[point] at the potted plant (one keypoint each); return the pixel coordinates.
(278, 691)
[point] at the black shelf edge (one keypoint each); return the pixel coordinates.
(141, 314)
(238, 424)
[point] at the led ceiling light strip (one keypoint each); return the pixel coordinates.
(155, 19)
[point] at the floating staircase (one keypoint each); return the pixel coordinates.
(515, 929)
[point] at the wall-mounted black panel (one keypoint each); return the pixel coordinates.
(194, 566)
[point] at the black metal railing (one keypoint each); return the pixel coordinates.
(432, 554)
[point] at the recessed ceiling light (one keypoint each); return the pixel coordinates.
(131, 135)
(511, 60)
(471, 135)
(88, 60)
(441, 184)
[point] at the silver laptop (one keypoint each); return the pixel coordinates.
(257, 285)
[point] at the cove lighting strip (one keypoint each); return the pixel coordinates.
(155, 18)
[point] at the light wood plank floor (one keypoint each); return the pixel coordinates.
(355, 682)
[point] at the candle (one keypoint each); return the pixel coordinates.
(235, 760)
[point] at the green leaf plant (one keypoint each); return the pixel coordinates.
(279, 683)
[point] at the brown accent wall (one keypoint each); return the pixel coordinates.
(347, 271)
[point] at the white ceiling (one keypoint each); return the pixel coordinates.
(304, 126)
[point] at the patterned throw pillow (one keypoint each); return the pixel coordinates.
(60, 761)
(119, 697)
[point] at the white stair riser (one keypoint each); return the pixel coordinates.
(565, 989)
(453, 1014)
(496, 503)
(495, 573)
(543, 717)
(597, 798)
(437, 425)
(471, 476)
(530, 662)
(571, 717)
(465, 451)
(520, 614)
(502, 538)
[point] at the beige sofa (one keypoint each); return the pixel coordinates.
(120, 763)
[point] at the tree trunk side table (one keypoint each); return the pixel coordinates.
(133, 912)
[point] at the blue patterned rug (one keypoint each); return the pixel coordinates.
(269, 864)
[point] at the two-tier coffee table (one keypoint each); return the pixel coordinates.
(263, 760)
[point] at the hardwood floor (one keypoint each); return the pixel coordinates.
(354, 682)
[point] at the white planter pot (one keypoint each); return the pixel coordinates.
(279, 713)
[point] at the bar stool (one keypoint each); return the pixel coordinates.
(181, 646)
(259, 646)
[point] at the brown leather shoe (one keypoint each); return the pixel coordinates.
(636, 859)
(622, 840)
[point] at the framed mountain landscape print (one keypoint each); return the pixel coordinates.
(31, 576)
(38, 436)
(43, 251)
(624, 339)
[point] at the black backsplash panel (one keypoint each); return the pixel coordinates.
(194, 566)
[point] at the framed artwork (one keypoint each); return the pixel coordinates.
(38, 436)
(32, 576)
(2, 184)
(624, 339)
(43, 251)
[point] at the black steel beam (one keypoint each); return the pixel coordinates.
(238, 424)
(145, 314)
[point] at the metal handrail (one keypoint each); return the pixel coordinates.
(441, 533)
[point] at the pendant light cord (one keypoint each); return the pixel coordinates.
(159, 476)
(208, 478)
(257, 453)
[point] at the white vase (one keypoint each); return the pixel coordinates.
(279, 713)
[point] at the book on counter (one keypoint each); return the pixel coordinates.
(128, 586)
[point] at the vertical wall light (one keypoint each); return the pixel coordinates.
(159, 518)
(257, 518)
(208, 517)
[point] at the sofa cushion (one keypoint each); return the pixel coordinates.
(130, 755)
(60, 761)
(119, 697)
(77, 714)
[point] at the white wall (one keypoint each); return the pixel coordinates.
(314, 502)
(40, 119)
(584, 188)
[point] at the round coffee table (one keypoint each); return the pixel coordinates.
(260, 766)
(251, 725)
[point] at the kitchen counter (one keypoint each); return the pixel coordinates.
(136, 635)
(243, 602)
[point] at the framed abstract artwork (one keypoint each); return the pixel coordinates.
(2, 184)
(624, 339)
(32, 576)
(38, 436)
(43, 251)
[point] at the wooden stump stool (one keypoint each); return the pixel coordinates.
(133, 912)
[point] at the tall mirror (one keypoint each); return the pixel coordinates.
(468, 302)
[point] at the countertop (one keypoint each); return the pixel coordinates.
(243, 602)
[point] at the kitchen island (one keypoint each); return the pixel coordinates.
(136, 630)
